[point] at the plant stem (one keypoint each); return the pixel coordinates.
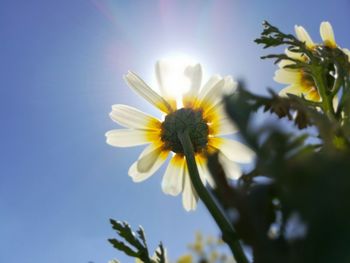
(229, 234)
(327, 98)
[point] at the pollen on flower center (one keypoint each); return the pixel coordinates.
(182, 120)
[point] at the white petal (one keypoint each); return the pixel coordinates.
(295, 55)
(304, 36)
(284, 76)
(327, 34)
(133, 118)
(234, 150)
(220, 123)
(284, 63)
(204, 171)
(231, 169)
(335, 102)
(292, 89)
(172, 182)
(127, 138)
(230, 85)
(150, 160)
(226, 126)
(214, 95)
(211, 181)
(189, 195)
(194, 73)
(161, 69)
(202, 168)
(142, 89)
(209, 85)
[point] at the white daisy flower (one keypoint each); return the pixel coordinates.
(299, 82)
(202, 114)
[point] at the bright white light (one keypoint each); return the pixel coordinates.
(174, 79)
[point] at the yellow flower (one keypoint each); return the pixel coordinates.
(204, 117)
(298, 81)
(214, 255)
(185, 259)
(198, 245)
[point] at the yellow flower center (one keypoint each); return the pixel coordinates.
(185, 119)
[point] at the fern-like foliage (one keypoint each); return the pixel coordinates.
(135, 245)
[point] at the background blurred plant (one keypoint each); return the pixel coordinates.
(204, 249)
(209, 249)
(294, 205)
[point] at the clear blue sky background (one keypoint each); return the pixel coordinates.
(61, 67)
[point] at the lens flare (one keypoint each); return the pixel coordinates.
(174, 80)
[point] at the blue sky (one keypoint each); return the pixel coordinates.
(61, 67)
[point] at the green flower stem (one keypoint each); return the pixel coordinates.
(346, 100)
(327, 98)
(228, 233)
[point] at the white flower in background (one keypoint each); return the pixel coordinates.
(304, 36)
(299, 82)
(202, 114)
(326, 32)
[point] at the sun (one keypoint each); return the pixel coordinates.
(174, 78)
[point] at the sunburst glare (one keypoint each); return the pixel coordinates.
(174, 79)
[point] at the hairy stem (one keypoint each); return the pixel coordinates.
(229, 235)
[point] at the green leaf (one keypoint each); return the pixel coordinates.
(160, 254)
(123, 229)
(123, 247)
(134, 245)
(273, 37)
(141, 235)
